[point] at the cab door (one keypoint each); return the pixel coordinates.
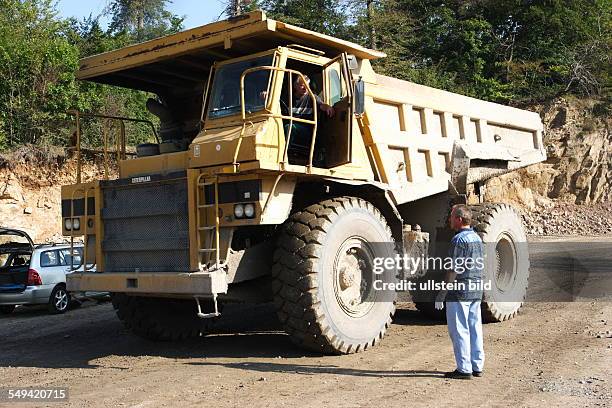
(335, 132)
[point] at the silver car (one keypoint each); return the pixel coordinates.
(32, 275)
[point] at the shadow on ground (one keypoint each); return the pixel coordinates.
(78, 338)
(320, 369)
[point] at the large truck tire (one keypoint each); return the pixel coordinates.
(160, 319)
(323, 276)
(501, 230)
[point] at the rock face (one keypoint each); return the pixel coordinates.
(580, 148)
(18, 208)
(576, 175)
(30, 190)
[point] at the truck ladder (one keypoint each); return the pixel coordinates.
(207, 215)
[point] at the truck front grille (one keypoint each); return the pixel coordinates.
(146, 225)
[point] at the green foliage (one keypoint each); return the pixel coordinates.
(37, 64)
(324, 16)
(499, 50)
(142, 19)
(511, 51)
(39, 55)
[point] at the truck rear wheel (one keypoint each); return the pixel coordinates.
(501, 230)
(323, 276)
(159, 318)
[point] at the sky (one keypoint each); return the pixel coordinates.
(196, 12)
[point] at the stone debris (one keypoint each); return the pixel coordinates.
(570, 219)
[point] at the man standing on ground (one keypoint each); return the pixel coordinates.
(463, 303)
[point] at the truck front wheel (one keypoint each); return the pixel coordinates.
(159, 318)
(323, 273)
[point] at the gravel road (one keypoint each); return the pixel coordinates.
(553, 354)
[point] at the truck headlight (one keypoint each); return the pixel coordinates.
(68, 224)
(76, 224)
(249, 210)
(238, 210)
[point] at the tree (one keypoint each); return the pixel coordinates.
(370, 19)
(500, 50)
(236, 7)
(36, 64)
(142, 19)
(324, 16)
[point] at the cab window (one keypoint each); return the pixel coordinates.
(335, 87)
(225, 97)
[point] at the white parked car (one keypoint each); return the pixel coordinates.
(32, 275)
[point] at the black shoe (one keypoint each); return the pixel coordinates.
(477, 373)
(458, 375)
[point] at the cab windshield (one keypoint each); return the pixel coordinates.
(225, 95)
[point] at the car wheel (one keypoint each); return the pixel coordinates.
(7, 309)
(59, 300)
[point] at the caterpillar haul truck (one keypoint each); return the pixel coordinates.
(229, 206)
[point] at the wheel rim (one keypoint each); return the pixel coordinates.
(61, 300)
(352, 274)
(505, 262)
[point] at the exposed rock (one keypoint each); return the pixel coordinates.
(578, 169)
(10, 189)
(31, 178)
(571, 192)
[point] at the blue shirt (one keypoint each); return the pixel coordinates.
(467, 253)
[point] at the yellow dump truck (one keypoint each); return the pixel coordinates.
(284, 167)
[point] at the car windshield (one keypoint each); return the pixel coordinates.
(225, 96)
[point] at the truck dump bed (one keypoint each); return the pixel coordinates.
(428, 137)
(183, 59)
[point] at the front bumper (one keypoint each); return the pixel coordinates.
(166, 283)
(32, 295)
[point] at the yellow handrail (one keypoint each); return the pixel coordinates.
(280, 116)
(201, 191)
(120, 142)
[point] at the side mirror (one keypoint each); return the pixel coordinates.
(352, 62)
(359, 97)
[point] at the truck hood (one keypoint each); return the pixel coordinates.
(218, 146)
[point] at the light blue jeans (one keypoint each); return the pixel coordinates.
(465, 330)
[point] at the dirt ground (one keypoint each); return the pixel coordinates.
(552, 354)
